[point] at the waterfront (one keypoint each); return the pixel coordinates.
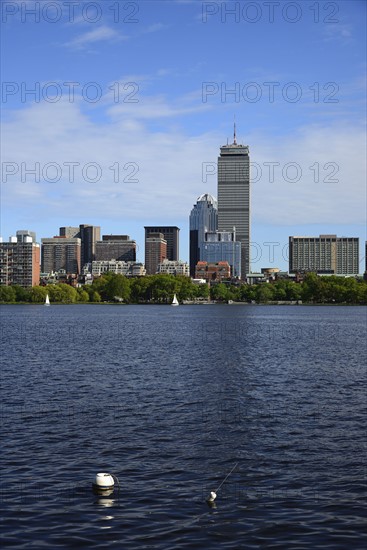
(169, 400)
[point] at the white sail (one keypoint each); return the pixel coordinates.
(47, 301)
(175, 301)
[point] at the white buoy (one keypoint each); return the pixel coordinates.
(104, 482)
(211, 497)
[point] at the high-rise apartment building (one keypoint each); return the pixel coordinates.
(155, 251)
(20, 261)
(61, 253)
(171, 235)
(324, 254)
(115, 247)
(234, 196)
(222, 246)
(203, 218)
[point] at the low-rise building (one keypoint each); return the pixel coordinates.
(217, 271)
(172, 267)
(119, 267)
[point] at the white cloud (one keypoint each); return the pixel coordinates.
(153, 107)
(103, 33)
(339, 31)
(168, 166)
(155, 27)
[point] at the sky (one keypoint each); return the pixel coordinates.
(113, 113)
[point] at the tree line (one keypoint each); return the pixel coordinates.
(160, 289)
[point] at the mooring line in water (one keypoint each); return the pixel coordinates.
(213, 494)
(227, 476)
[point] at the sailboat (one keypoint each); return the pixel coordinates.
(47, 301)
(175, 301)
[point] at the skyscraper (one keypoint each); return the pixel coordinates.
(170, 234)
(234, 196)
(203, 218)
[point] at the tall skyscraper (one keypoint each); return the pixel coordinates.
(155, 251)
(234, 196)
(203, 218)
(324, 254)
(171, 235)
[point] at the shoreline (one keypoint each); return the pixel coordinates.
(191, 304)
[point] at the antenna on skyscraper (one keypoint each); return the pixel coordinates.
(234, 131)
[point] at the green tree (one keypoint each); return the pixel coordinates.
(22, 294)
(140, 289)
(362, 292)
(219, 292)
(163, 288)
(38, 294)
(247, 293)
(99, 285)
(95, 296)
(201, 291)
(62, 293)
(185, 288)
(117, 286)
(279, 291)
(264, 293)
(7, 294)
(313, 289)
(351, 290)
(83, 295)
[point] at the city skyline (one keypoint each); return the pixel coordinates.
(324, 254)
(149, 127)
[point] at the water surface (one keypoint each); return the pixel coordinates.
(170, 400)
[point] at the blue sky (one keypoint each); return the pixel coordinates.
(132, 100)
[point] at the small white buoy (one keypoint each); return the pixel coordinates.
(104, 482)
(211, 497)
